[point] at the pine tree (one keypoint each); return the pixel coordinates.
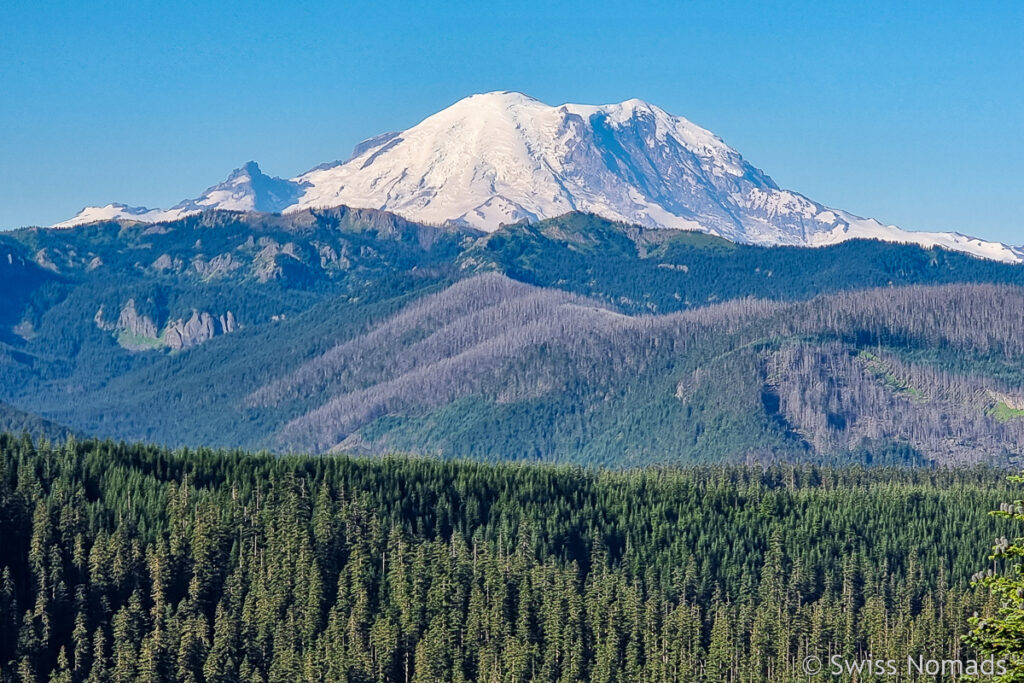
(62, 672)
(1001, 633)
(98, 669)
(722, 648)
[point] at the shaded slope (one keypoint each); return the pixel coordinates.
(18, 421)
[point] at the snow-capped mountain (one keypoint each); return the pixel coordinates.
(502, 157)
(246, 189)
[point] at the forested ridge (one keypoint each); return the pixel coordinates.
(574, 339)
(494, 369)
(125, 563)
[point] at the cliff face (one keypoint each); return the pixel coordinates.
(138, 332)
(138, 325)
(201, 327)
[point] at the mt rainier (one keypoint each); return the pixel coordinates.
(503, 157)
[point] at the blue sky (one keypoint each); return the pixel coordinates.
(910, 112)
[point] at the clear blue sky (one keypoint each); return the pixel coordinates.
(910, 112)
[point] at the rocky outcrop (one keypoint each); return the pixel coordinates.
(201, 327)
(101, 323)
(219, 266)
(137, 332)
(330, 258)
(277, 261)
(1011, 402)
(264, 265)
(227, 322)
(166, 264)
(44, 260)
(132, 322)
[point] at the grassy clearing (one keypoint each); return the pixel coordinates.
(1001, 412)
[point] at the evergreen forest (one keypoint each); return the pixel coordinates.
(136, 563)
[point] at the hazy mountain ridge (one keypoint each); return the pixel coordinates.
(504, 157)
(17, 421)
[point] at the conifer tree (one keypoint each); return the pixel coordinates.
(1002, 634)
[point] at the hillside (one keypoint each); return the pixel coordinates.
(492, 369)
(17, 421)
(575, 339)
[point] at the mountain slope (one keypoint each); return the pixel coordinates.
(18, 421)
(640, 270)
(576, 339)
(491, 369)
(503, 157)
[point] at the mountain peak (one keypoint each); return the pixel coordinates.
(509, 96)
(501, 157)
(634, 106)
(250, 169)
(247, 188)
